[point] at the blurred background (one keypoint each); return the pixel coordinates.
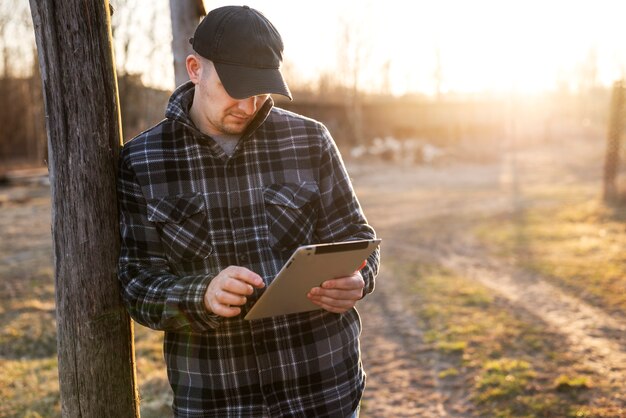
(445, 77)
(484, 142)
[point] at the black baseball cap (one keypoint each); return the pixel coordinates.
(245, 48)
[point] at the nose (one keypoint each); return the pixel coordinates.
(249, 105)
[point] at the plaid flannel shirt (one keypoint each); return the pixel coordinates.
(187, 211)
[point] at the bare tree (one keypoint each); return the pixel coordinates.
(94, 332)
(135, 29)
(123, 23)
(438, 74)
(21, 136)
(185, 16)
(385, 71)
(614, 135)
(36, 138)
(352, 55)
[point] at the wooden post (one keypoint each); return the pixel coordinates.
(614, 134)
(185, 16)
(95, 345)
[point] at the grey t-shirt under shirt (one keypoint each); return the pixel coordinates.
(227, 142)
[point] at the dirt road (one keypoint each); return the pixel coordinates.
(402, 369)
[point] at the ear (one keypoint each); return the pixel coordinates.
(194, 68)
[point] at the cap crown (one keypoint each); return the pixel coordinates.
(239, 35)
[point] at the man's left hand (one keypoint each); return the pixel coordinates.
(338, 295)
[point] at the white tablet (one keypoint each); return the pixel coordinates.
(308, 267)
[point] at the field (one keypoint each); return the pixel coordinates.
(501, 293)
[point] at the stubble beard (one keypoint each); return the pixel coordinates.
(234, 128)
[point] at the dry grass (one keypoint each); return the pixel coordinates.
(576, 241)
(504, 360)
(509, 362)
(29, 380)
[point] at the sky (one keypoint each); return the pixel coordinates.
(424, 46)
(475, 46)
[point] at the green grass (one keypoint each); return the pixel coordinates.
(566, 383)
(449, 372)
(579, 245)
(514, 366)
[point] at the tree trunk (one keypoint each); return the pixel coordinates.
(185, 15)
(94, 332)
(616, 126)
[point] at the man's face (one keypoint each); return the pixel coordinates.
(218, 113)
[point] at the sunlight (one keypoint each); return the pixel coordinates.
(503, 45)
(453, 45)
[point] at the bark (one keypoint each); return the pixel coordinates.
(185, 16)
(95, 345)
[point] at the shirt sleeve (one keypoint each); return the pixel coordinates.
(154, 296)
(341, 217)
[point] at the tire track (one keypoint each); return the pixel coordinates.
(595, 337)
(592, 335)
(401, 369)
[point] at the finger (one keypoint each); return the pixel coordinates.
(245, 275)
(337, 294)
(224, 297)
(238, 287)
(332, 305)
(221, 303)
(346, 283)
(225, 310)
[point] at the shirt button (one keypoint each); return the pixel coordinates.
(235, 211)
(243, 257)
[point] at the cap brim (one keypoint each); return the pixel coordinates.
(243, 82)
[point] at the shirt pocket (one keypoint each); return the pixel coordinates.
(290, 210)
(183, 226)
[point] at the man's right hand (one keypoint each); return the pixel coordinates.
(229, 289)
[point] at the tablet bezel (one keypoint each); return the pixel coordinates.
(308, 267)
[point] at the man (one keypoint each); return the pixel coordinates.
(213, 200)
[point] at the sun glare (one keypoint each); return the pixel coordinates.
(483, 45)
(452, 45)
(489, 45)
